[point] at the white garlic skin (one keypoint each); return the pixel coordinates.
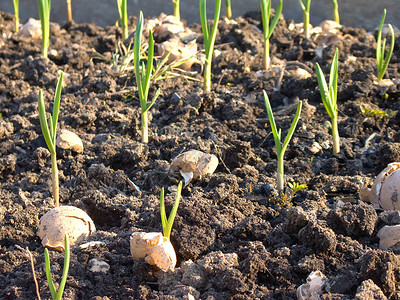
(389, 196)
(154, 248)
(62, 220)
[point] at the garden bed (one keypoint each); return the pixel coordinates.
(232, 240)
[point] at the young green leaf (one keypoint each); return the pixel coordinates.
(305, 6)
(123, 15)
(167, 223)
(329, 97)
(281, 148)
(49, 131)
(209, 39)
(268, 28)
(44, 14)
(382, 62)
(57, 295)
(143, 76)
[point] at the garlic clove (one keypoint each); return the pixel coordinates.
(31, 29)
(154, 248)
(141, 243)
(62, 220)
(389, 197)
(69, 140)
(163, 256)
(389, 236)
(195, 161)
(383, 193)
(313, 288)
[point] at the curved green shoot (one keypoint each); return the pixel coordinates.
(335, 11)
(281, 147)
(44, 14)
(329, 97)
(143, 76)
(228, 9)
(268, 28)
(123, 16)
(167, 223)
(382, 62)
(209, 39)
(50, 132)
(305, 6)
(57, 294)
(16, 15)
(177, 13)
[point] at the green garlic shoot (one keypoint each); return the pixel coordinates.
(49, 133)
(335, 11)
(281, 148)
(69, 9)
(268, 28)
(228, 9)
(177, 13)
(305, 6)
(167, 223)
(123, 16)
(329, 97)
(57, 294)
(143, 76)
(16, 15)
(209, 39)
(383, 62)
(44, 14)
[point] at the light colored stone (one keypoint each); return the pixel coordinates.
(98, 266)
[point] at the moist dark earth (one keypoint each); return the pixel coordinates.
(234, 237)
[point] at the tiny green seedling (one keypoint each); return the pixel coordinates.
(57, 294)
(143, 76)
(335, 11)
(228, 9)
(167, 223)
(121, 59)
(49, 133)
(165, 70)
(377, 113)
(16, 14)
(281, 148)
(209, 39)
(295, 187)
(44, 14)
(177, 13)
(329, 97)
(285, 199)
(381, 61)
(305, 6)
(123, 16)
(268, 28)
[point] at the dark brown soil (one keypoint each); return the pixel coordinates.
(232, 241)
